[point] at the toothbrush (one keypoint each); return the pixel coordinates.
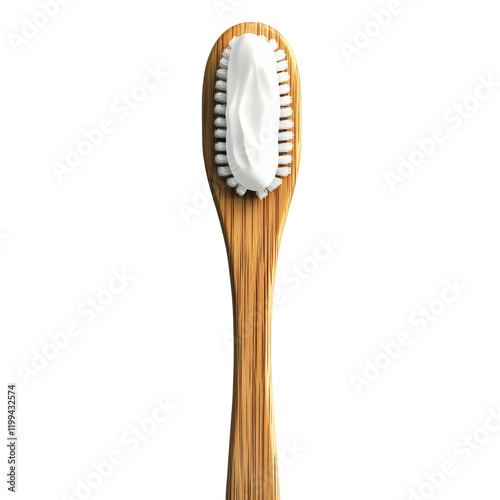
(251, 146)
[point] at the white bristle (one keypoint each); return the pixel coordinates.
(283, 89)
(283, 147)
(241, 190)
(284, 159)
(221, 85)
(222, 74)
(283, 171)
(275, 183)
(224, 171)
(221, 97)
(220, 159)
(231, 42)
(280, 55)
(286, 124)
(285, 100)
(285, 136)
(282, 65)
(221, 122)
(220, 133)
(220, 109)
(283, 77)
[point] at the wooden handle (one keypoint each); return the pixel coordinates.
(253, 467)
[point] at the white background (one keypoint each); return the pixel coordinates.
(138, 202)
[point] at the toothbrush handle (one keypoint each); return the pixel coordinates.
(253, 465)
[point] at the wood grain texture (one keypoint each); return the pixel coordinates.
(252, 230)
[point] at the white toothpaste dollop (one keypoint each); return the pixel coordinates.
(253, 111)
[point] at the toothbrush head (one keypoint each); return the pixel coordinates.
(256, 137)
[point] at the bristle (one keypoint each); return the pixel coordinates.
(241, 190)
(283, 89)
(224, 63)
(221, 146)
(222, 74)
(283, 171)
(280, 55)
(221, 122)
(220, 109)
(224, 171)
(273, 43)
(232, 182)
(286, 112)
(231, 42)
(286, 124)
(220, 133)
(283, 77)
(282, 65)
(261, 194)
(221, 85)
(220, 159)
(226, 53)
(284, 159)
(283, 147)
(285, 100)
(275, 183)
(221, 97)
(285, 136)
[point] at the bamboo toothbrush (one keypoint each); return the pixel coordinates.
(261, 165)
